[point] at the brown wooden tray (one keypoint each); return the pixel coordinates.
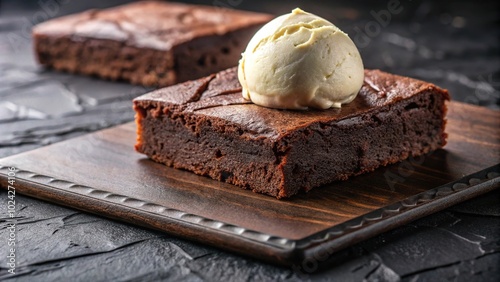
(101, 173)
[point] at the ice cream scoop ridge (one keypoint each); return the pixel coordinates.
(300, 61)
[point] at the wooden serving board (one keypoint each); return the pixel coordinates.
(101, 173)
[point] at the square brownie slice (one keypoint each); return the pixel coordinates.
(205, 126)
(147, 43)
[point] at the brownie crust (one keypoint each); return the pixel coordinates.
(147, 43)
(205, 126)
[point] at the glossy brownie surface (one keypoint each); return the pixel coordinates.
(219, 96)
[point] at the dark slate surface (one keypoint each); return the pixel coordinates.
(455, 46)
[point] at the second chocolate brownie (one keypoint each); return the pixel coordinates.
(147, 43)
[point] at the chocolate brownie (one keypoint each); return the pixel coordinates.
(148, 43)
(205, 126)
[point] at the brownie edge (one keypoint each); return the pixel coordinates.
(205, 126)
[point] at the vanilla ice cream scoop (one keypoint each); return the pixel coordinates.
(300, 61)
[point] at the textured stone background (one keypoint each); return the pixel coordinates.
(453, 45)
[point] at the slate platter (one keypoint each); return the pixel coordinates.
(101, 173)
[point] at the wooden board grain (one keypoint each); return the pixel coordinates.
(102, 174)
